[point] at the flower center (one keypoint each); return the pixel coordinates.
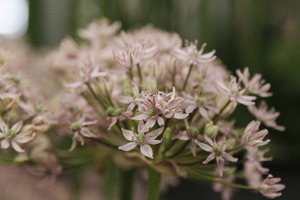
(152, 112)
(193, 131)
(218, 150)
(140, 138)
(74, 126)
(12, 133)
(200, 101)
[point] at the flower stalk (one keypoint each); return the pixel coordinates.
(153, 188)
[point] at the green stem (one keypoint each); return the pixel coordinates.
(174, 75)
(105, 142)
(140, 73)
(94, 94)
(179, 150)
(153, 184)
(187, 77)
(216, 117)
(130, 73)
(76, 184)
(110, 180)
(127, 183)
(214, 179)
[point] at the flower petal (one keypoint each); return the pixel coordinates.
(204, 146)
(128, 147)
(17, 126)
(146, 150)
(4, 144)
(180, 115)
(17, 147)
(155, 133)
(129, 135)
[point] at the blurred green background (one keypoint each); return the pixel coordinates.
(263, 34)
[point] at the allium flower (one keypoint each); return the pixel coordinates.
(234, 93)
(225, 190)
(153, 107)
(13, 136)
(191, 54)
(270, 187)
(255, 85)
(99, 30)
(134, 54)
(117, 115)
(131, 100)
(254, 137)
(217, 151)
(143, 139)
(167, 42)
(203, 104)
(268, 117)
(88, 71)
(254, 159)
(79, 129)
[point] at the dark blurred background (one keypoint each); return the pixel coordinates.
(264, 35)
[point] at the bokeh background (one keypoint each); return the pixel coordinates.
(264, 35)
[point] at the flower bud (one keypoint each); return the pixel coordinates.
(230, 143)
(167, 134)
(221, 102)
(21, 159)
(211, 130)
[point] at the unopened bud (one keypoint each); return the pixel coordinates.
(230, 143)
(193, 131)
(21, 159)
(109, 111)
(211, 130)
(221, 102)
(167, 134)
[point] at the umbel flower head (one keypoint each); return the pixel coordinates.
(142, 99)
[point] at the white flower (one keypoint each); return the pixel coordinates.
(13, 136)
(143, 139)
(270, 187)
(217, 151)
(268, 117)
(255, 85)
(234, 92)
(132, 55)
(191, 54)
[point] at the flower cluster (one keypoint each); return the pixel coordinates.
(124, 90)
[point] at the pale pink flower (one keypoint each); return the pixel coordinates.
(252, 175)
(225, 190)
(143, 138)
(14, 136)
(217, 151)
(99, 30)
(168, 41)
(234, 93)
(254, 159)
(270, 187)
(31, 109)
(204, 104)
(268, 117)
(253, 137)
(88, 71)
(153, 107)
(79, 130)
(131, 100)
(134, 54)
(190, 134)
(191, 54)
(255, 85)
(117, 115)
